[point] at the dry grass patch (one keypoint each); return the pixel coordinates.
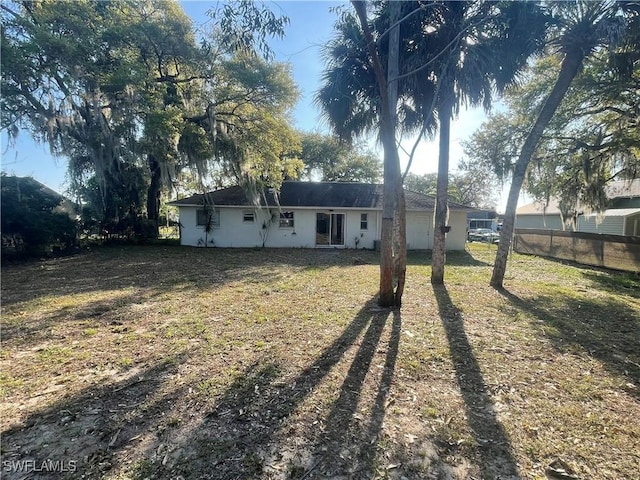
(159, 362)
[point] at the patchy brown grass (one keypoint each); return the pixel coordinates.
(161, 362)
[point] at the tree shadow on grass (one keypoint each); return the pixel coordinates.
(149, 423)
(28, 330)
(493, 446)
(79, 434)
(457, 258)
(347, 446)
(618, 283)
(603, 328)
(163, 269)
(262, 424)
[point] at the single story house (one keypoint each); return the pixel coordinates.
(309, 215)
(622, 217)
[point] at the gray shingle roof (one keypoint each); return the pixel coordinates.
(317, 194)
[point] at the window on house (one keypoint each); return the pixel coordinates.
(364, 221)
(206, 216)
(286, 219)
(248, 216)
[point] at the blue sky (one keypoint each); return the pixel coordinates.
(310, 28)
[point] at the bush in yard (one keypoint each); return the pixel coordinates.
(35, 219)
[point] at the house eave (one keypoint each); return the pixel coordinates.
(325, 208)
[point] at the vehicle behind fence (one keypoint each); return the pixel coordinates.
(610, 251)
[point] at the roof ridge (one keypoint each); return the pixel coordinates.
(333, 182)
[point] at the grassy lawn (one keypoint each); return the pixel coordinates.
(161, 362)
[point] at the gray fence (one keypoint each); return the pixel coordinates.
(609, 251)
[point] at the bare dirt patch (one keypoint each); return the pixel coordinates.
(168, 362)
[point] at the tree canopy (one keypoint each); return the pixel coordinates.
(125, 92)
(466, 187)
(327, 159)
(591, 140)
(566, 135)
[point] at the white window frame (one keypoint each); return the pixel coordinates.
(248, 216)
(364, 220)
(287, 221)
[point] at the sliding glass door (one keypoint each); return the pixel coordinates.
(330, 229)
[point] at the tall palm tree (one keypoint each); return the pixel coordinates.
(581, 27)
(360, 95)
(349, 97)
(393, 201)
(452, 53)
(473, 50)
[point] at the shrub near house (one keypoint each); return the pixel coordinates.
(35, 219)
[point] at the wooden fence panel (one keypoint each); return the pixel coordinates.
(609, 251)
(623, 256)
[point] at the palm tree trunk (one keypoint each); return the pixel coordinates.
(400, 266)
(386, 295)
(569, 69)
(400, 230)
(442, 186)
(387, 85)
(389, 200)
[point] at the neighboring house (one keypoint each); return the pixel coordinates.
(622, 217)
(309, 215)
